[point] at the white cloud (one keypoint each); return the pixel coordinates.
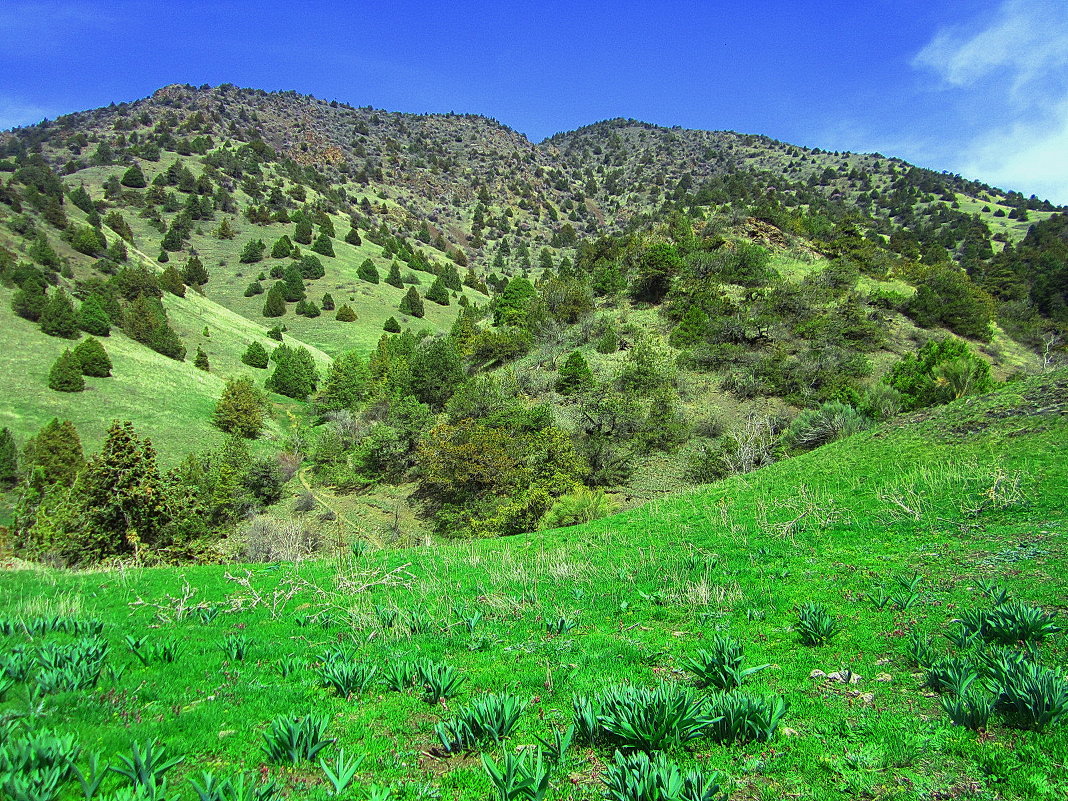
(1011, 69)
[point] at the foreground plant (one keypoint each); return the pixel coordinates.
(341, 772)
(667, 716)
(721, 665)
(641, 777)
(517, 778)
(488, 719)
(290, 740)
(743, 718)
(815, 626)
(147, 764)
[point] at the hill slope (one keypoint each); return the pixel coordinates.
(962, 498)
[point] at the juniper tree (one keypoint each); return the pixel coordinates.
(328, 302)
(66, 373)
(368, 272)
(394, 277)
(411, 304)
(200, 361)
(170, 280)
(9, 459)
(93, 358)
(345, 314)
(54, 453)
(255, 355)
(242, 409)
(58, 318)
(275, 304)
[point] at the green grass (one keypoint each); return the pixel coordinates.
(974, 492)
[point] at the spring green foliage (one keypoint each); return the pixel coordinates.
(294, 374)
(574, 375)
(412, 304)
(54, 453)
(9, 458)
(242, 409)
(941, 371)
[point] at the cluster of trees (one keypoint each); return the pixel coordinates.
(118, 503)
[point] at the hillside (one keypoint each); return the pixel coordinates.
(482, 333)
(895, 533)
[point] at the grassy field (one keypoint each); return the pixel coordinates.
(943, 501)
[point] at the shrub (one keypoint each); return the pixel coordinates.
(1032, 696)
(832, 420)
(667, 716)
(583, 505)
(516, 779)
(295, 739)
(242, 408)
(93, 358)
(721, 665)
(345, 314)
(641, 777)
(66, 373)
(347, 678)
(815, 626)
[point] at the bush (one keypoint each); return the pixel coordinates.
(66, 373)
(815, 626)
(581, 506)
(721, 665)
(256, 355)
(941, 371)
(831, 421)
(345, 314)
(242, 409)
(640, 777)
(93, 358)
(266, 539)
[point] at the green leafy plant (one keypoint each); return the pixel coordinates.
(1032, 696)
(295, 739)
(971, 709)
(740, 718)
(666, 716)
(147, 764)
(439, 681)
(953, 674)
(347, 678)
(489, 718)
(815, 626)
(642, 777)
(720, 666)
(400, 675)
(211, 788)
(559, 625)
(518, 778)
(235, 647)
(342, 771)
(287, 665)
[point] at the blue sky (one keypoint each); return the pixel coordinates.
(978, 87)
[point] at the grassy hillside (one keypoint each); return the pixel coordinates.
(960, 498)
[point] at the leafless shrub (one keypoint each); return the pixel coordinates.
(268, 539)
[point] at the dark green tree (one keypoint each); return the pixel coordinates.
(134, 178)
(30, 300)
(574, 375)
(93, 358)
(368, 272)
(54, 453)
(323, 246)
(194, 273)
(282, 248)
(200, 361)
(242, 409)
(293, 284)
(58, 318)
(436, 370)
(256, 355)
(170, 280)
(88, 240)
(391, 325)
(66, 374)
(353, 237)
(253, 289)
(275, 304)
(394, 277)
(92, 319)
(345, 314)
(294, 375)
(691, 328)
(252, 252)
(345, 386)
(411, 304)
(145, 320)
(328, 302)
(9, 459)
(438, 292)
(303, 232)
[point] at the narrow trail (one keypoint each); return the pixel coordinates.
(320, 499)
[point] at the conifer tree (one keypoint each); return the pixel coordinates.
(328, 302)
(353, 237)
(438, 292)
(58, 318)
(252, 252)
(368, 272)
(66, 374)
(411, 304)
(170, 280)
(293, 284)
(225, 229)
(253, 289)
(323, 246)
(30, 300)
(242, 409)
(303, 232)
(275, 305)
(9, 459)
(574, 375)
(691, 328)
(134, 178)
(255, 355)
(391, 325)
(54, 453)
(394, 277)
(282, 248)
(345, 385)
(294, 374)
(194, 273)
(345, 314)
(93, 358)
(200, 361)
(311, 310)
(92, 318)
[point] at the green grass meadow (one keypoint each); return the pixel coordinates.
(972, 493)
